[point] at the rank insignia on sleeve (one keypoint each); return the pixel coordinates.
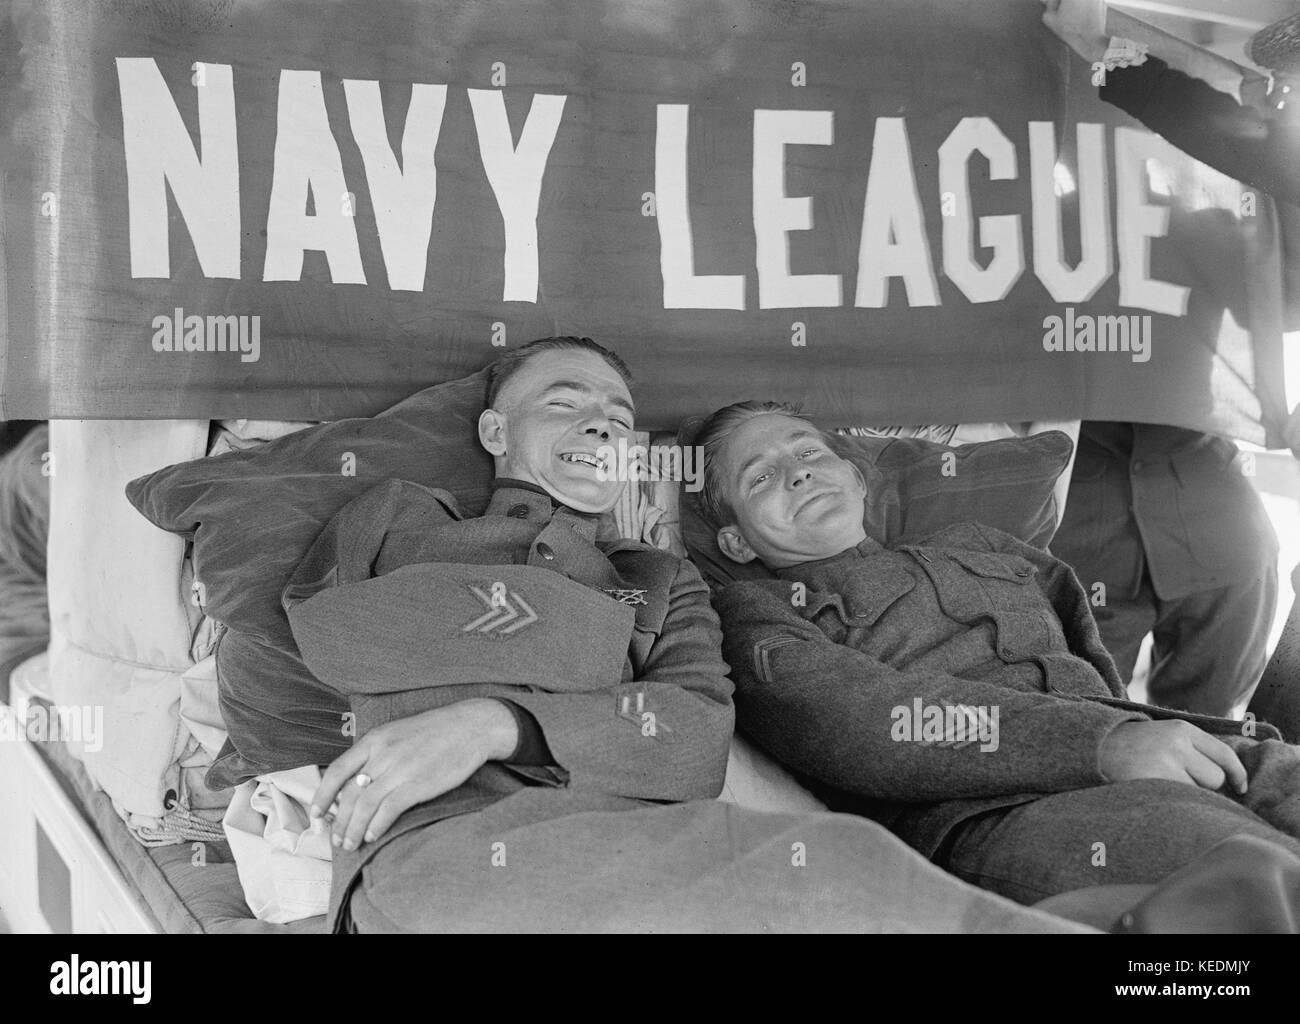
(763, 653)
(503, 617)
(627, 596)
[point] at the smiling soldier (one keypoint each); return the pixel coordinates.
(528, 698)
(982, 627)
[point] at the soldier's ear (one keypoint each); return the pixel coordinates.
(734, 546)
(857, 475)
(492, 432)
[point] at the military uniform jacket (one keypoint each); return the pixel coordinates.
(611, 646)
(837, 663)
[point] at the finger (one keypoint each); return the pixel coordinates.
(398, 801)
(348, 797)
(1203, 771)
(352, 796)
(344, 767)
(362, 811)
(1223, 756)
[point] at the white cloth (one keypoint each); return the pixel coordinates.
(283, 858)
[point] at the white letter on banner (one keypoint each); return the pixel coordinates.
(893, 242)
(1138, 221)
(402, 197)
(683, 289)
(515, 174)
(1062, 283)
(307, 162)
(1001, 233)
(159, 152)
(776, 214)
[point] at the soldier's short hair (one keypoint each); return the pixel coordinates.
(509, 364)
(712, 438)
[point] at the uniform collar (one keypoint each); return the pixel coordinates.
(520, 499)
(863, 549)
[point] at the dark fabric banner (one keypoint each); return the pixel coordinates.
(903, 211)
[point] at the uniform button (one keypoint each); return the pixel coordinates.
(1138, 467)
(519, 511)
(545, 551)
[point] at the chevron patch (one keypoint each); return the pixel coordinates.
(507, 614)
(763, 653)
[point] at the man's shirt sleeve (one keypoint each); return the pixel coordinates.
(1210, 126)
(833, 713)
(666, 734)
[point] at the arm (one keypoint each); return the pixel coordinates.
(1210, 126)
(1140, 749)
(663, 736)
(674, 747)
(828, 711)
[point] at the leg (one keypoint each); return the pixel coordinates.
(703, 866)
(1210, 647)
(1127, 833)
(1124, 624)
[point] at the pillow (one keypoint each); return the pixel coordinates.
(252, 515)
(916, 488)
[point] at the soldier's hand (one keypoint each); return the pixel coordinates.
(1173, 750)
(408, 762)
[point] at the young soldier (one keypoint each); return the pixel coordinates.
(956, 690)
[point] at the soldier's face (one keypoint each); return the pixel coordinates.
(551, 421)
(794, 499)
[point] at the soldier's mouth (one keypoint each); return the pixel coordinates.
(818, 496)
(581, 459)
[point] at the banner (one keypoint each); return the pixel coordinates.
(903, 211)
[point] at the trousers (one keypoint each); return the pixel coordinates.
(1208, 648)
(1125, 833)
(700, 866)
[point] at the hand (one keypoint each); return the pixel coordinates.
(1173, 750)
(1080, 24)
(410, 761)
